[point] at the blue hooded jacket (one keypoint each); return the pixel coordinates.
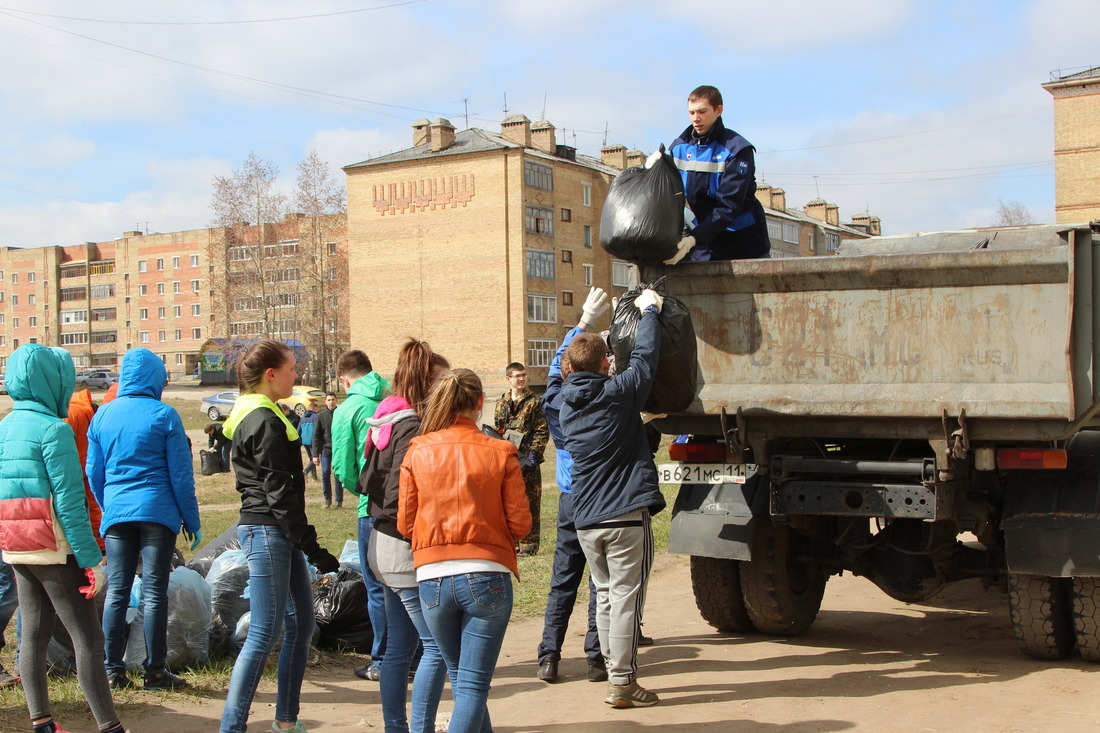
(139, 463)
(42, 501)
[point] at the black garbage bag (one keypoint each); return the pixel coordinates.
(228, 578)
(210, 462)
(676, 379)
(200, 562)
(340, 606)
(643, 215)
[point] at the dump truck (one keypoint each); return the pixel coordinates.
(917, 410)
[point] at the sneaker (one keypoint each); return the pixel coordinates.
(7, 679)
(629, 696)
(527, 549)
(339, 505)
(119, 681)
(164, 681)
(548, 671)
(597, 670)
(371, 672)
(328, 503)
(644, 640)
(296, 728)
(50, 727)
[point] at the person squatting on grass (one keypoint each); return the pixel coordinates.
(389, 555)
(46, 534)
(275, 535)
(463, 505)
(139, 467)
(615, 489)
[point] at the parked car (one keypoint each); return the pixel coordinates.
(96, 380)
(300, 397)
(219, 405)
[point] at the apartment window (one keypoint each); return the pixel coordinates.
(175, 263)
(194, 286)
(1, 296)
(567, 255)
(143, 314)
(162, 335)
(195, 309)
(331, 274)
(537, 175)
(30, 299)
(144, 337)
(32, 340)
(143, 289)
(540, 264)
(32, 322)
(142, 266)
(175, 286)
(567, 215)
(247, 303)
(542, 308)
(1, 317)
(586, 194)
(247, 328)
(288, 275)
(623, 274)
(587, 235)
(813, 243)
(179, 334)
(177, 311)
(540, 220)
(160, 264)
(196, 333)
(194, 263)
(775, 230)
(587, 274)
(15, 300)
(160, 313)
(103, 291)
(332, 249)
(104, 337)
(567, 297)
(179, 359)
(15, 278)
(242, 253)
(832, 241)
(15, 322)
(31, 276)
(74, 339)
(790, 232)
(3, 341)
(160, 288)
(540, 352)
(15, 343)
(72, 294)
(104, 314)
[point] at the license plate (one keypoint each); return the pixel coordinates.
(704, 473)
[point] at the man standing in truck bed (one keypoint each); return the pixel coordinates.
(719, 174)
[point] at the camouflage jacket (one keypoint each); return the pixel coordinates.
(526, 416)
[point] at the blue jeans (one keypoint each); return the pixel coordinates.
(327, 479)
(154, 544)
(405, 630)
(225, 457)
(565, 581)
(311, 470)
(280, 593)
(468, 615)
(9, 599)
(376, 600)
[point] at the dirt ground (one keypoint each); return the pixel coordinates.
(868, 664)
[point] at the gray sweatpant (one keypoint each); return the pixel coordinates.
(620, 554)
(43, 591)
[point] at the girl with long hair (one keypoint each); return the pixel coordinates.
(463, 505)
(275, 535)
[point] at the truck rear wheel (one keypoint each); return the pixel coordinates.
(782, 592)
(716, 583)
(1040, 611)
(1086, 617)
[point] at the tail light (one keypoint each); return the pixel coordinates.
(1031, 458)
(698, 452)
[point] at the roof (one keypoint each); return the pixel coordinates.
(1036, 235)
(1086, 74)
(476, 140)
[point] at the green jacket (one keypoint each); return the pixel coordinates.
(349, 430)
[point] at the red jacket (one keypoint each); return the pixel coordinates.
(462, 497)
(80, 416)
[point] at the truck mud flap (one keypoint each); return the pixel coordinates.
(718, 520)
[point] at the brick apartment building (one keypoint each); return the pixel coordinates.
(1076, 145)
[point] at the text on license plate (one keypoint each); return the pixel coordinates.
(704, 473)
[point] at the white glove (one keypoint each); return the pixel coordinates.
(682, 249)
(647, 416)
(649, 298)
(653, 159)
(594, 305)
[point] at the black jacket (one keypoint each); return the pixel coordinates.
(322, 434)
(217, 438)
(613, 471)
(270, 480)
(381, 476)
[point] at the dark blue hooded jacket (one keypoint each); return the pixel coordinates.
(139, 461)
(613, 471)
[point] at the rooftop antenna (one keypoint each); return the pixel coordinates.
(466, 111)
(543, 106)
(506, 104)
(605, 134)
(816, 189)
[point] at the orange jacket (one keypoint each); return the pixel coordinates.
(462, 497)
(80, 416)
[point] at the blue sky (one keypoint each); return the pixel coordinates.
(118, 114)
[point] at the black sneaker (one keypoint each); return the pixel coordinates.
(548, 671)
(370, 672)
(120, 681)
(164, 681)
(7, 679)
(597, 670)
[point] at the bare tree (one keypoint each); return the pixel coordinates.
(1012, 214)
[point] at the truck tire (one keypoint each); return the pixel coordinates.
(782, 594)
(716, 583)
(1086, 617)
(1040, 610)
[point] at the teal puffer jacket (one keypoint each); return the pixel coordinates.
(43, 514)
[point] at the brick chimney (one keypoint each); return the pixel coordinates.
(764, 195)
(779, 199)
(832, 214)
(543, 137)
(635, 157)
(443, 134)
(132, 234)
(870, 225)
(516, 129)
(614, 156)
(816, 209)
(422, 132)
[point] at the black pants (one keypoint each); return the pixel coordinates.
(568, 571)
